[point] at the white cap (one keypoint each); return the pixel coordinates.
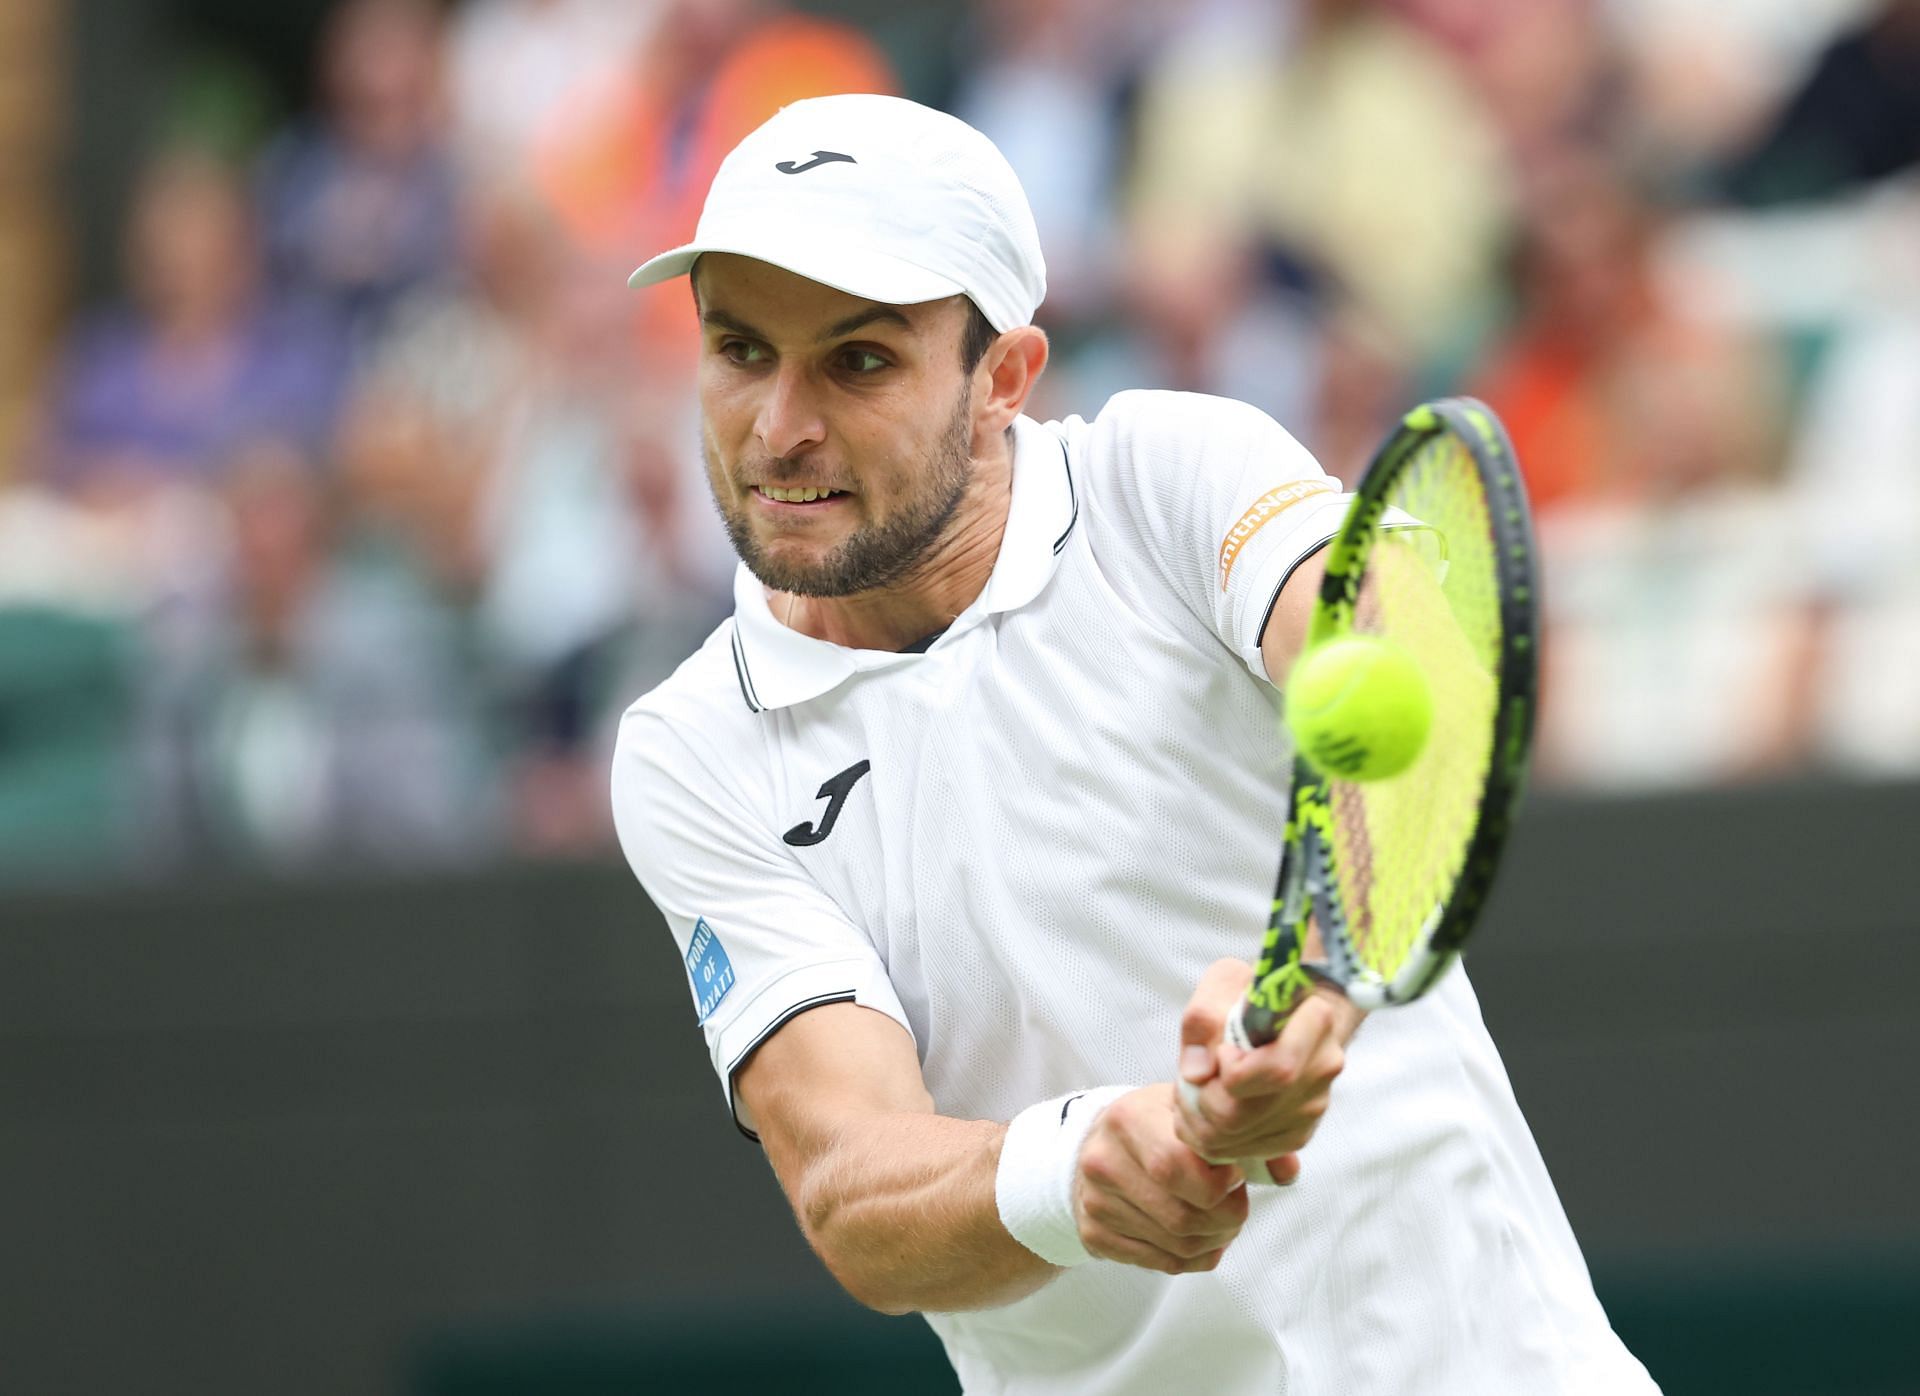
(879, 197)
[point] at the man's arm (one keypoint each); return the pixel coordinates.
(1285, 633)
(900, 1202)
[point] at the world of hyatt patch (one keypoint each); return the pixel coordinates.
(708, 968)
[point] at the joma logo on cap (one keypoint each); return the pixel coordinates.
(820, 157)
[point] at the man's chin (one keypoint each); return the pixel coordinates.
(800, 571)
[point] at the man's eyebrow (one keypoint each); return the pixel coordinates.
(712, 315)
(720, 318)
(867, 317)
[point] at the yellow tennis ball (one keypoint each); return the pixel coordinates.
(1359, 708)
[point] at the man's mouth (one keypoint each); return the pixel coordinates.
(805, 494)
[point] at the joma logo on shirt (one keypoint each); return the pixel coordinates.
(834, 791)
(1264, 510)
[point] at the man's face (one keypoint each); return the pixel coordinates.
(838, 432)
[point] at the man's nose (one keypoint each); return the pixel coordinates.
(790, 420)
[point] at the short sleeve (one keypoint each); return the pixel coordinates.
(761, 941)
(1214, 504)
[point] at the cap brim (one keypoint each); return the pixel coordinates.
(871, 275)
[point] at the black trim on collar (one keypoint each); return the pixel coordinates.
(733, 1067)
(925, 642)
(1066, 463)
(740, 673)
(744, 674)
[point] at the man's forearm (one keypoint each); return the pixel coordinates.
(905, 1205)
(902, 1209)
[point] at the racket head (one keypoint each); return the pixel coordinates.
(1436, 555)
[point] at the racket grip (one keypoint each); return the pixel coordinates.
(1236, 1033)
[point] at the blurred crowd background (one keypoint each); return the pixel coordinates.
(347, 495)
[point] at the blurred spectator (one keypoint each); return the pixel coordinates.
(1694, 82)
(513, 65)
(452, 366)
(1855, 119)
(1650, 436)
(1349, 148)
(1611, 395)
(1676, 645)
(1855, 489)
(359, 203)
(1542, 70)
(549, 478)
(1363, 378)
(314, 706)
(403, 631)
(628, 168)
(164, 388)
(407, 492)
(1208, 322)
(567, 561)
(1046, 81)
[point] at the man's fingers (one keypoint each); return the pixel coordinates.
(1285, 1169)
(1263, 1138)
(1203, 1135)
(1133, 1152)
(1282, 1168)
(1145, 1199)
(1268, 1101)
(1176, 1169)
(1110, 1245)
(1307, 1055)
(1217, 995)
(1265, 1121)
(1167, 1225)
(1121, 1195)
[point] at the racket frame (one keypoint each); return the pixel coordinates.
(1305, 884)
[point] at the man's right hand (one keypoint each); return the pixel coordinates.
(1144, 1198)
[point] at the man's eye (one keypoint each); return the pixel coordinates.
(862, 361)
(740, 351)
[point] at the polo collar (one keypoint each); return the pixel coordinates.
(778, 667)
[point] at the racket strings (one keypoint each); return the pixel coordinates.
(1394, 848)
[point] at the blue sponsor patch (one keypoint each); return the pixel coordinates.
(709, 969)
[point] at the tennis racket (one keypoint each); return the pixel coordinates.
(1435, 555)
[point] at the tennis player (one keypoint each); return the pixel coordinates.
(956, 819)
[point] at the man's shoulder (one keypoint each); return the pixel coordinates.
(700, 701)
(1176, 450)
(1161, 423)
(1174, 408)
(685, 781)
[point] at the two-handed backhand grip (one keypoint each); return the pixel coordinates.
(1236, 1033)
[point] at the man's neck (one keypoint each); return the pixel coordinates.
(929, 598)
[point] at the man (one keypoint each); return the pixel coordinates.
(981, 781)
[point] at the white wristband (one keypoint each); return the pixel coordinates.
(1034, 1186)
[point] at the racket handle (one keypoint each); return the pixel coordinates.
(1236, 1033)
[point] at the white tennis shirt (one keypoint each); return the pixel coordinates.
(1026, 845)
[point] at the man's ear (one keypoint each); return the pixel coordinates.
(1006, 376)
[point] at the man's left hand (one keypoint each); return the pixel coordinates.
(1263, 1104)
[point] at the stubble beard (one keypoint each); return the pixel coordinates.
(881, 554)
